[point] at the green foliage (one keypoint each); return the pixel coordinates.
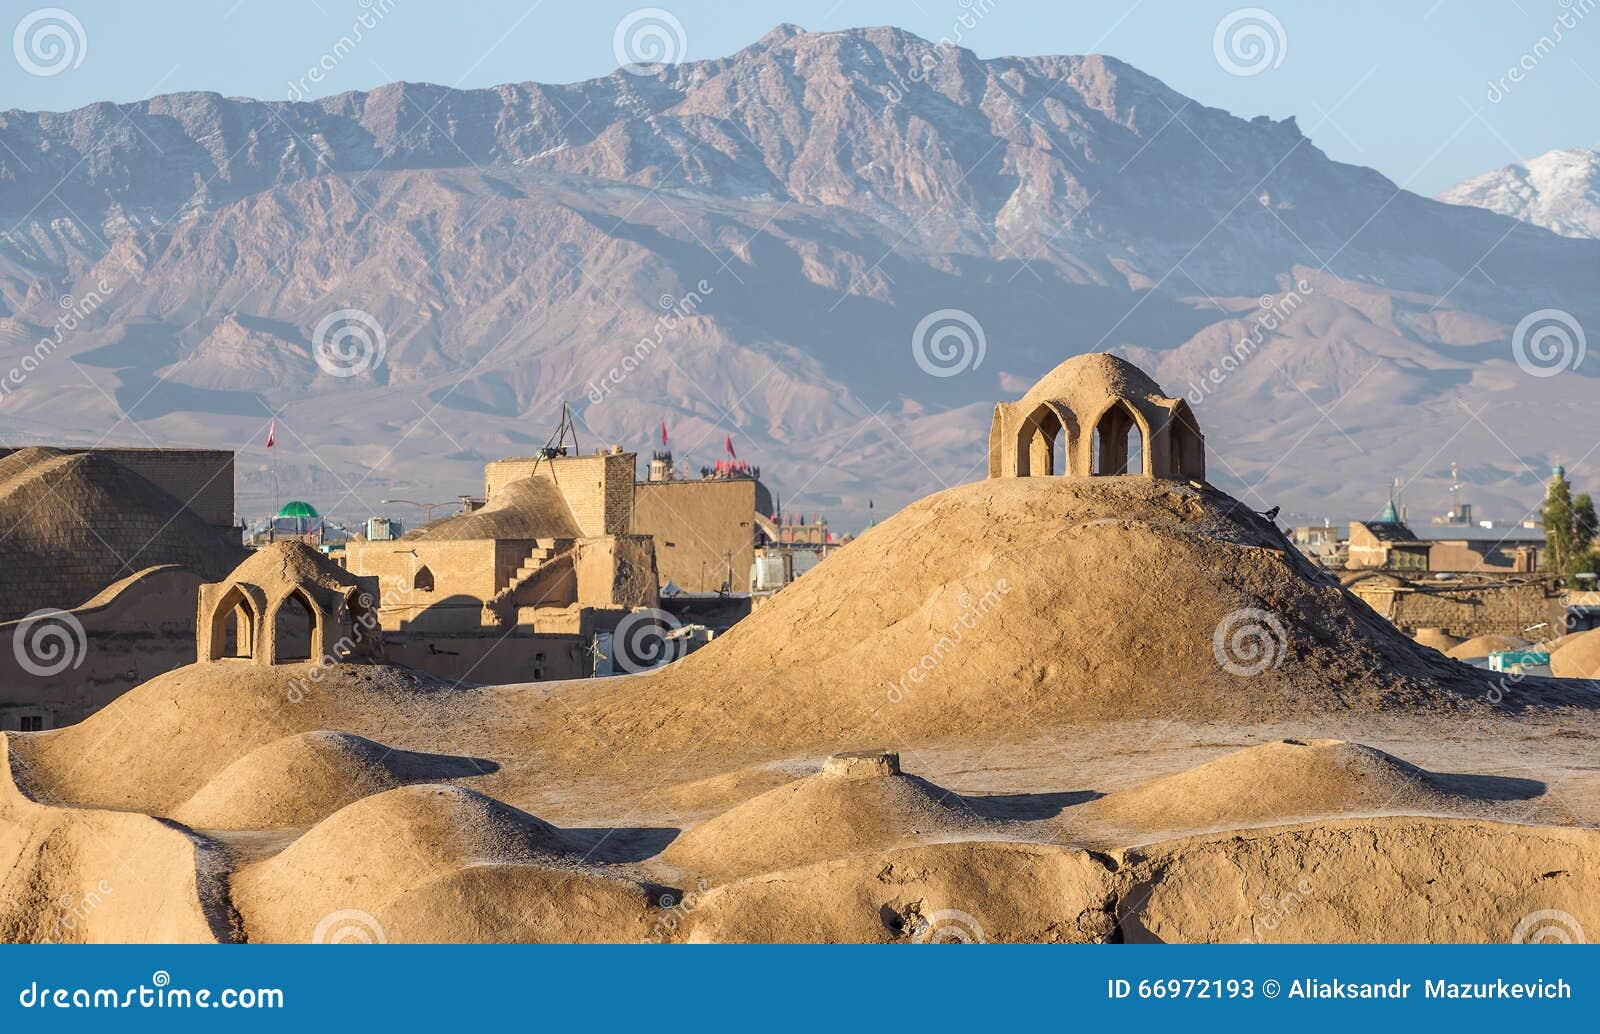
(1569, 530)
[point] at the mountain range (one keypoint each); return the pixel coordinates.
(748, 248)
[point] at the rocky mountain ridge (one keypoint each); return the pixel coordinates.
(747, 247)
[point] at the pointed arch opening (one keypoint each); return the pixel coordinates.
(233, 626)
(1041, 443)
(422, 579)
(1187, 444)
(295, 629)
(1119, 442)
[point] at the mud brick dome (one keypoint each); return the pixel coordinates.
(1093, 415)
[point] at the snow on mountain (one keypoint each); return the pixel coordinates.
(1559, 191)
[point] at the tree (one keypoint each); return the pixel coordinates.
(1569, 527)
(1583, 519)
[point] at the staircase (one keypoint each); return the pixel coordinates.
(502, 609)
(541, 552)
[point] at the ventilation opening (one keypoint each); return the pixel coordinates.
(233, 627)
(1041, 445)
(1118, 444)
(294, 629)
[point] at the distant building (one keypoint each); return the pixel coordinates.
(1390, 544)
(517, 589)
(383, 529)
(1466, 606)
(1387, 543)
(1480, 550)
(1322, 543)
(705, 527)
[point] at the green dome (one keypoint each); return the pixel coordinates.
(296, 508)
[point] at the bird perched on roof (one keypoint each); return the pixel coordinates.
(1271, 514)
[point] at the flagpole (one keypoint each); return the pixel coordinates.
(272, 519)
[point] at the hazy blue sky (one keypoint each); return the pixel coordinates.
(1403, 87)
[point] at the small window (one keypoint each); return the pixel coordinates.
(31, 723)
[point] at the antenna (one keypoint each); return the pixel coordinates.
(556, 445)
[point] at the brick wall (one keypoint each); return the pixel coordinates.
(598, 488)
(463, 573)
(697, 526)
(1466, 611)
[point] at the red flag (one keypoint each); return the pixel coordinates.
(729, 446)
(663, 432)
(272, 433)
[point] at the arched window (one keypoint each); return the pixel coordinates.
(1118, 442)
(1041, 444)
(233, 626)
(422, 579)
(294, 629)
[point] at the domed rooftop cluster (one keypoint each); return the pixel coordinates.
(1092, 415)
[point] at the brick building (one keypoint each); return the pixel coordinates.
(516, 590)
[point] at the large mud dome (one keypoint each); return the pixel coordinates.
(1042, 600)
